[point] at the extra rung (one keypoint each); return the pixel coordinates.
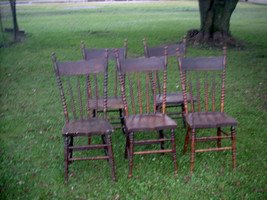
(154, 141)
(152, 152)
(213, 138)
(89, 158)
(213, 149)
(98, 146)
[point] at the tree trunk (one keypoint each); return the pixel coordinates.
(215, 18)
(14, 14)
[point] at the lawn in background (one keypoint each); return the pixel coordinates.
(32, 148)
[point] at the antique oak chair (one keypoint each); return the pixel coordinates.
(202, 74)
(173, 100)
(140, 113)
(114, 102)
(71, 75)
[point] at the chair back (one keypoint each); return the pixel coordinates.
(204, 78)
(142, 76)
(158, 51)
(89, 54)
(73, 80)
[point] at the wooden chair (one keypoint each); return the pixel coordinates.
(202, 72)
(146, 119)
(77, 124)
(114, 102)
(173, 100)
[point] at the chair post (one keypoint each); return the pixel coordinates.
(165, 80)
(183, 80)
(66, 158)
(125, 49)
(193, 140)
(174, 152)
(60, 87)
(111, 159)
(186, 139)
(131, 135)
(145, 47)
(184, 42)
(233, 147)
(122, 80)
(223, 79)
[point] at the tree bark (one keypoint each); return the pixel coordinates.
(215, 18)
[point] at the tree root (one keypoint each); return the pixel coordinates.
(216, 39)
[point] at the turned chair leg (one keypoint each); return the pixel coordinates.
(193, 149)
(111, 158)
(162, 146)
(131, 135)
(219, 139)
(127, 145)
(66, 158)
(183, 111)
(233, 147)
(174, 152)
(186, 139)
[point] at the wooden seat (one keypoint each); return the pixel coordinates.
(142, 115)
(75, 76)
(175, 99)
(114, 102)
(203, 81)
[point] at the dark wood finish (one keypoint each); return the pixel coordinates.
(173, 100)
(202, 77)
(115, 104)
(140, 111)
(77, 75)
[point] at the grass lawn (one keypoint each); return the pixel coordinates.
(31, 116)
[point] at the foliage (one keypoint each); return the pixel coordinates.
(31, 161)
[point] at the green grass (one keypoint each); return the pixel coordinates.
(31, 161)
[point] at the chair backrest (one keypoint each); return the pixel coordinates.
(199, 76)
(138, 71)
(89, 54)
(71, 75)
(158, 51)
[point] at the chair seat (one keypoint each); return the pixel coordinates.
(149, 122)
(113, 103)
(87, 127)
(172, 98)
(209, 120)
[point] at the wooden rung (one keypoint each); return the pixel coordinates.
(89, 158)
(117, 127)
(214, 149)
(224, 132)
(98, 146)
(174, 113)
(152, 152)
(212, 138)
(153, 141)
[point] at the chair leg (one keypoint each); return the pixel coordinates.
(219, 139)
(111, 159)
(174, 152)
(126, 153)
(66, 159)
(233, 146)
(183, 111)
(131, 135)
(70, 145)
(122, 121)
(104, 142)
(186, 139)
(162, 146)
(193, 149)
